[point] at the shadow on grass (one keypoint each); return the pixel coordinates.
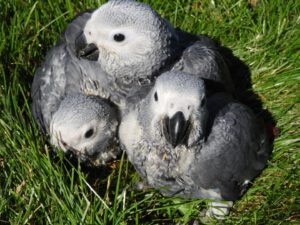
(241, 77)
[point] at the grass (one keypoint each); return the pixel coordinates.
(37, 188)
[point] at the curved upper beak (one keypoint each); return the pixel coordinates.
(176, 129)
(85, 50)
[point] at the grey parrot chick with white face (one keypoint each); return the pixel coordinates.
(189, 145)
(63, 105)
(135, 45)
(86, 126)
(133, 42)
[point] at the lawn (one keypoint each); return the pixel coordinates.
(38, 187)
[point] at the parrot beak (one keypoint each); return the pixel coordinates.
(85, 50)
(176, 129)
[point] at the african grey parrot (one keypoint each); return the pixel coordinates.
(86, 126)
(61, 76)
(191, 145)
(133, 45)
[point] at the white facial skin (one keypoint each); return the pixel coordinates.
(168, 102)
(134, 44)
(83, 138)
(184, 95)
(130, 37)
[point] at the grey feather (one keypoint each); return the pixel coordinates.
(62, 76)
(74, 28)
(202, 57)
(224, 147)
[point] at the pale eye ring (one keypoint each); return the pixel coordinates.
(119, 37)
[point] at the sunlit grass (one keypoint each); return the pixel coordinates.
(38, 188)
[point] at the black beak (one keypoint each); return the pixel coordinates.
(176, 129)
(85, 50)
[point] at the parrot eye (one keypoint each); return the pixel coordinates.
(155, 96)
(64, 143)
(119, 37)
(89, 133)
(203, 102)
